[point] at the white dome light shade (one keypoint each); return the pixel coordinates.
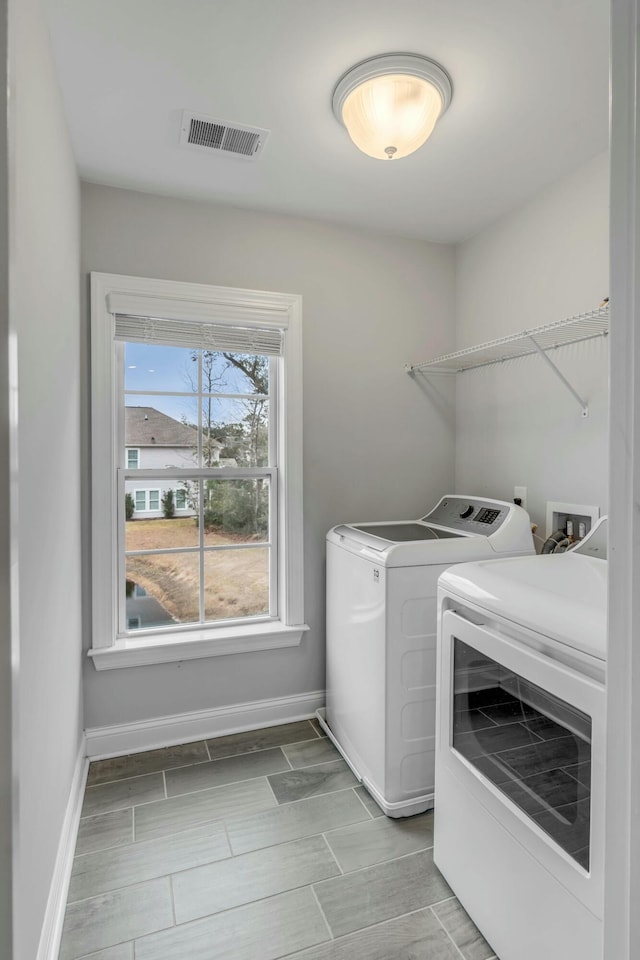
(391, 104)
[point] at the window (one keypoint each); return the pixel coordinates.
(207, 381)
(145, 500)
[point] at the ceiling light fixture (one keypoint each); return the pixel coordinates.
(390, 104)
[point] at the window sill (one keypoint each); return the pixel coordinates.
(196, 644)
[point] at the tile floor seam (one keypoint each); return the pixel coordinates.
(189, 793)
(149, 773)
(166, 836)
(133, 824)
(310, 766)
(228, 839)
(197, 763)
(322, 913)
(113, 846)
(135, 776)
(271, 790)
(88, 956)
(89, 853)
(399, 916)
(355, 790)
(372, 866)
(283, 843)
(229, 783)
(173, 901)
(281, 806)
(164, 781)
(352, 933)
(331, 851)
(250, 753)
(237, 906)
(161, 876)
(376, 863)
(312, 796)
(448, 935)
(321, 763)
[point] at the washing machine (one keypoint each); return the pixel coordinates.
(381, 637)
(520, 749)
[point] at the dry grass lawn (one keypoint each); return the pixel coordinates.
(236, 582)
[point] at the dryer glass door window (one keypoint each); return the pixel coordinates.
(532, 746)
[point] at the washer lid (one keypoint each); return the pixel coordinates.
(563, 596)
(403, 532)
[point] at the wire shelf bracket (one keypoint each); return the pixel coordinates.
(538, 341)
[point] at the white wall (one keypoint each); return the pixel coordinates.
(45, 301)
(516, 423)
(377, 444)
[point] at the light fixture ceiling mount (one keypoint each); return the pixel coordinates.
(390, 104)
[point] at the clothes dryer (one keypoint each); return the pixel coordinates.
(519, 826)
(381, 637)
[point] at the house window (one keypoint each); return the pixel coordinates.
(206, 381)
(146, 500)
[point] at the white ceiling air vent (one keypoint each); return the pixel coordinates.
(232, 139)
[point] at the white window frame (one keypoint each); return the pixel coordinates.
(138, 296)
(147, 495)
(135, 450)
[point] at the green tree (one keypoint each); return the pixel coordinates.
(168, 505)
(129, 506)
(238, 505)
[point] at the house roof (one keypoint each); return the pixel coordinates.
(148, 427)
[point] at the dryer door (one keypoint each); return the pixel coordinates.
(523, 733)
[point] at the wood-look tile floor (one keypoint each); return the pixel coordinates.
(254, 846)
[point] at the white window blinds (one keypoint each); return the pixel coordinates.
(195, 334)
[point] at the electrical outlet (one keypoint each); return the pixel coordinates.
(520, 493)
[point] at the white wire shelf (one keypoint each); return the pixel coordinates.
(539, 340)
(584, 326)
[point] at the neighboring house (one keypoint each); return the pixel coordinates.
(155, 441)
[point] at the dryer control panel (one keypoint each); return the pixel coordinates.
(469, 514)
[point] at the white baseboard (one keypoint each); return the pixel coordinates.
(51, 934)
(123, 738)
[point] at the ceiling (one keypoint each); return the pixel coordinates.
(530, 102)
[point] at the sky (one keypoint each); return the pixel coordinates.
(172, 369)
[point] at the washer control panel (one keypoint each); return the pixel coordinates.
(472, 516)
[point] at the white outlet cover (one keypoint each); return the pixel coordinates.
(554, 506)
